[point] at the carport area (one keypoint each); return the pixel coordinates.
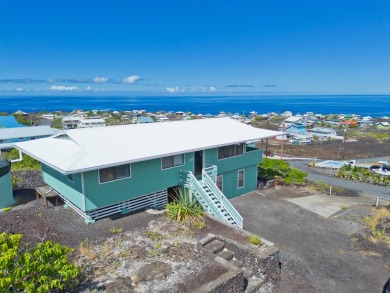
(318, 253)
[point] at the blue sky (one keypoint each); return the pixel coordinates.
(197, 47)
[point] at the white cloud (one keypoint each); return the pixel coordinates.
(88, 88)
(19, 89)
(212, 89)
(100, 79)
(131, 79)
(174, 90)
(63, 88)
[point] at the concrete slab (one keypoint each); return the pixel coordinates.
(322, 205)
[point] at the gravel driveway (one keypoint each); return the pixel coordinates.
(318, 254)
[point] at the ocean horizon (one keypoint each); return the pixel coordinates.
(373, 105)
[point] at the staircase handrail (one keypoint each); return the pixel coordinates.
(194, 183)
(222, 198)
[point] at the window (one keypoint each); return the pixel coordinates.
(220, 182)
(20, 138)
(33, 137)
(114, 173)
(241, 178)
(172, 161)
(70, 177)
(230, 151)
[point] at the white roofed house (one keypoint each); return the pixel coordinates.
(9, 136)
(106, 170)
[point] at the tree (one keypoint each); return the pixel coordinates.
(34, 269)
(280, 170)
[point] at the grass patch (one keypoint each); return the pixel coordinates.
(255, 240)
(378, 222)
(344, 207)
(87, 250)
(6, 209)
(116, 230)
(153, 235)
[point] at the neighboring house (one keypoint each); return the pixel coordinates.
(88, 122)
(48, 116)
(296, 128)
(383, 125)
(293, 119)
(301, 139)
(9, 136)
(72, 122)
(145, 119)
(323, 132)
(107, 170)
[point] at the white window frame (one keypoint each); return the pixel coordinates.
(216, 183)
(243, 178)
(115, 179)
(175, 166)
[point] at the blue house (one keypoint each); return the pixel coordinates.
(107, 170)
(9, 136)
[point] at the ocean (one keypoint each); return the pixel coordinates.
(373, 105)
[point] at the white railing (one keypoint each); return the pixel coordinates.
(223, 200)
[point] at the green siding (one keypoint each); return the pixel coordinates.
(233, 163)
(230, 182)
(229, 167)
(146, 177)
(71, 190)
(6, 196)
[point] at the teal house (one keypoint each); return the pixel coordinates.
(106, 170)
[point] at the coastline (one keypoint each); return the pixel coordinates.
(372, 105)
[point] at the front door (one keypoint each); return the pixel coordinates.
(198, 163)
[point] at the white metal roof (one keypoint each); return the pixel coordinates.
(16, 132)
(95, 148)
(293, 119)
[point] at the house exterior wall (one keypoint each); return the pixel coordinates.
(229, 167)
(27, 138)
(148, 177)
(71, 190)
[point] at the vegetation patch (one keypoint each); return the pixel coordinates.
(183, 210)
(255, 240)
(378, 223)
(27, 163)
(280, 170)
(362, 175)
(41, 268)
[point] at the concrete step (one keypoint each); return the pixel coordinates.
(237, 263)
(254, 284)
(247, 273)
(226, 254)
(215, 246)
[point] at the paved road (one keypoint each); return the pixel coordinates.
(317, 253)
(324, 175)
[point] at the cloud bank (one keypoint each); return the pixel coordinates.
(131, 79)
(63, 88)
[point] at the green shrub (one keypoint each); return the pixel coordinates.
(183, 210)
(22, 119)
(279, 169)
(6, 209)
(42, 268)
(27, 163)
(255, 240)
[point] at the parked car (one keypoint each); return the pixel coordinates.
(268, 154)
